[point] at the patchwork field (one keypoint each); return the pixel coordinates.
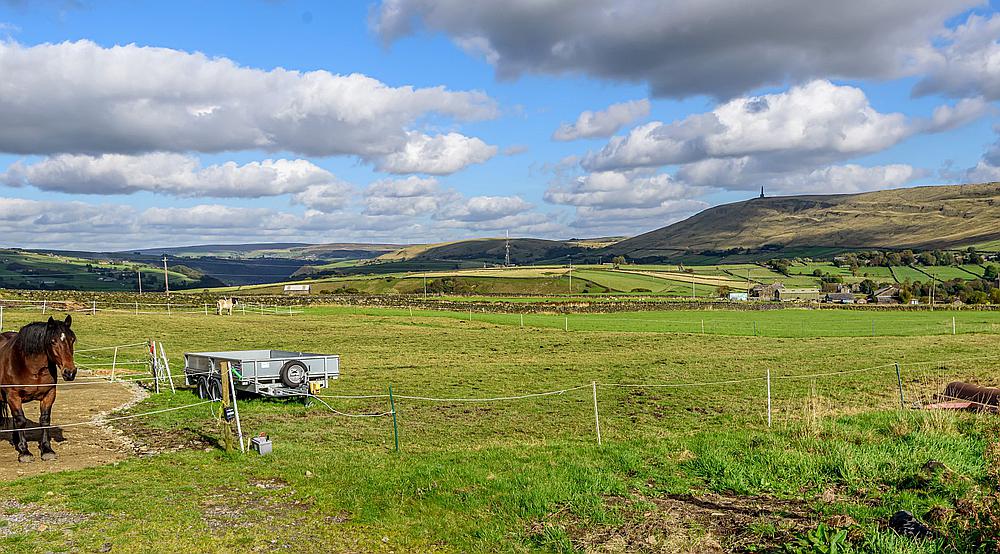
(687, 461)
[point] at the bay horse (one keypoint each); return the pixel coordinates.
(29, 363)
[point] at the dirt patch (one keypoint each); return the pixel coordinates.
(17, 518)
(269, 505)
(78, 446)
(704, 523)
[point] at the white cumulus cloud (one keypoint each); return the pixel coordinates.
(82, 98)
(436, 155)
(603, 123)
(165, 173)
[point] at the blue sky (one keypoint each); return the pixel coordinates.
(149, 124)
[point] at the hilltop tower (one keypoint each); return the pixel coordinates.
(506, 247)
(762, 192)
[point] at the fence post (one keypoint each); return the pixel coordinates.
(597, 416)
(236, 411)
(703, 326)
(44, 306)
(522, 318)
(395, 429)
(899, 381)
(243, 307)
(755, 328)
(166, 366)
(768, 397)
(206, 308)
(168, 308)
(114, 364)
(953, 331)
(227, 428)
(154, 365)
(566, 323)
(93, 309)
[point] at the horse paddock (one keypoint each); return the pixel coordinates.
(79, 446)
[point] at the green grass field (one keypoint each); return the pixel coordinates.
(20, 268)
(527, 475)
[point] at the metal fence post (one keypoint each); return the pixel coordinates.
(114, 363)
(94, 308)
(597, 416)
(395, 428)
(166, 367)
(899, 381)
(768, 397)
(236, 410)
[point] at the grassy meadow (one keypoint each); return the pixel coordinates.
(527, 474)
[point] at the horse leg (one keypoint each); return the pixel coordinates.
(45, 445)
(19, 437)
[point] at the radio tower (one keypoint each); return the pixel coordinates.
(506, 246)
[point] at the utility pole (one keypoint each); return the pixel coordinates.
(166, 281)
(138, 277)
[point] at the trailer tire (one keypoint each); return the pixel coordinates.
(213, 388)
(202, 389)
(294, 374)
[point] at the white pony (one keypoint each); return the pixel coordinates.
(225, 304)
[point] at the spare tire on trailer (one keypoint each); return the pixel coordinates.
(294, 374)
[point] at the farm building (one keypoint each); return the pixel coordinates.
(297, 289)
(887, 295)
(766, 292)
(840, 298)
(789, 295)
(738, 297)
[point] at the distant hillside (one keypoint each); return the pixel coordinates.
(216, 249)
(522, 251)
(920, 218)
(294, 250)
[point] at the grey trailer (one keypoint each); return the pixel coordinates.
(265, 372)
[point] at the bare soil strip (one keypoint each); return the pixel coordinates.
(78, 446)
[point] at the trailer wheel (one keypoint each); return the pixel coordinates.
(213, 388)
(202, 389)
(293, 374)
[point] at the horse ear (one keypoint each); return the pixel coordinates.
(51, 321)
(69, 320)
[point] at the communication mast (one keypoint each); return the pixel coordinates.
(506, 246)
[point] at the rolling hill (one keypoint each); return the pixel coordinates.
(951, 216)
(522, 251)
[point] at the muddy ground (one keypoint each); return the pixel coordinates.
(78, 446)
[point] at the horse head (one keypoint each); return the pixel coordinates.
(59, 347)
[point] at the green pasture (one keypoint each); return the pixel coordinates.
(781, 323)
(527, 474)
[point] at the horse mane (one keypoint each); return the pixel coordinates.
(34, 338)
